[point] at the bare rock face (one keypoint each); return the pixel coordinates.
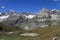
(43, 13)
(28, 25)
(14, 18)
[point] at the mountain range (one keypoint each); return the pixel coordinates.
(29, 21)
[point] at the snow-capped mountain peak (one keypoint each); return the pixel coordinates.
(44, 9)
(55, 10)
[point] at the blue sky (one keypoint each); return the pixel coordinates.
(28, 5)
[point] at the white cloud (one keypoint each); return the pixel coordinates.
(56, 0)
(2, 6)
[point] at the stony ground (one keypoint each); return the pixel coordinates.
(44, 34)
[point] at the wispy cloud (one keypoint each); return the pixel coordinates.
(55, 0)
(2, 6)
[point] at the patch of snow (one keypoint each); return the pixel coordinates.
(55, 9)
(29, 34)
(4, 17)
(30, 16)
(10, 32)
(44, 26)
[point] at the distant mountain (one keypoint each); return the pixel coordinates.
(29, 21)
(27, 15)
(44, 12)
(14, 18)
(55, 10)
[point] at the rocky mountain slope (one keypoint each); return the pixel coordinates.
(29, 21)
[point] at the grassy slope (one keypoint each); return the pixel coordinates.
(46, 33)
(6, 28)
